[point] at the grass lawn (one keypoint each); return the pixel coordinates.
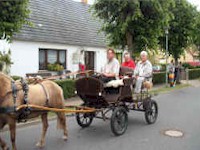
(169, 89)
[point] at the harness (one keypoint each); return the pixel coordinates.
(14, 90)
(22, 115)
(46, 93)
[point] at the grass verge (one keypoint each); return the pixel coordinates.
(169, 89)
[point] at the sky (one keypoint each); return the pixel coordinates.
(89, 1)
(194, 2)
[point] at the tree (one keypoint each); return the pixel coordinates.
(196, 33)
(181, 27)
(13, 15)
(136, 24)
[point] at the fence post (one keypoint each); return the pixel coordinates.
(187, 74)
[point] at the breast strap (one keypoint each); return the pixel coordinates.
(46, 93)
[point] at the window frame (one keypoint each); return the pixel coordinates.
(46, 57)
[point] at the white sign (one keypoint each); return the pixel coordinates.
(75, 58)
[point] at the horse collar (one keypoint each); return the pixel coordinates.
(14, 92)
(25, 89)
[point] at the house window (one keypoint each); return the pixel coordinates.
(51, 56)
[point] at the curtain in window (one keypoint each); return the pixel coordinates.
(41, 57)
(62, 57)
(52, 56)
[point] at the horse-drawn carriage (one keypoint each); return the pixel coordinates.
(19, 101)
(95, 94)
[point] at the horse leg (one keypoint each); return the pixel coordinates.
(45, 125)
(61, 123)
(3, 144)
(12, 127)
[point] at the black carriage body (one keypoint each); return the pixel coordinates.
(92, 91)
(95, 95)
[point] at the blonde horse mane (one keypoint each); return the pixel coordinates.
(5, 85)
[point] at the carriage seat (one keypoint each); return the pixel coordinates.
(124, 73)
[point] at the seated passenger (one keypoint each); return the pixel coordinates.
(143, 71)
(128, 61)
(111, 69)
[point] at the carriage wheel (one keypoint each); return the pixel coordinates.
(119, 121)
(84, 119)
(151, 112)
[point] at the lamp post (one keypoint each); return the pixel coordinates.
(166, 53)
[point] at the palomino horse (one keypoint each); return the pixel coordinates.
(45, 93)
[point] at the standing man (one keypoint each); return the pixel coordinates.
(111, 69)
(128, 61)
(143, 71)
(171, 73)
(171, 67)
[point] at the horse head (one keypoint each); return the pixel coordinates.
(5, 86)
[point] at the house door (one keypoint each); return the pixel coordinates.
(89, 60)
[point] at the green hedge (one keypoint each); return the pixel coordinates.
(16, 77)
(194, 74)
(159, 78)
(68, 87)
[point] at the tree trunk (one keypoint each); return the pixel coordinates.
(176, 61)
(129, 40)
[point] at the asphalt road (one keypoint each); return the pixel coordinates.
(177, 110)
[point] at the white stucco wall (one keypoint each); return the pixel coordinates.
(25, 56)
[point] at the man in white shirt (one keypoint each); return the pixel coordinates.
(143, 71)
(111, 69)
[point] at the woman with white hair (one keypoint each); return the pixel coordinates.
(128, 61)
(143, 71)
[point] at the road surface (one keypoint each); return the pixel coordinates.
(177, 110)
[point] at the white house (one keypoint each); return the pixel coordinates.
(61, 29)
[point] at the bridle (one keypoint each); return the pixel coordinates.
(14, 90)
(21, 114)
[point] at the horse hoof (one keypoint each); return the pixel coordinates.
(40, 145)
(65, 138)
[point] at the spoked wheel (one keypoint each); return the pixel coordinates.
(119, 121)
(151, 112)
(84, 119)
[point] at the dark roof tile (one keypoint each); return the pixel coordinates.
(62, 21)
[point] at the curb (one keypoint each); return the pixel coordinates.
(33, 122)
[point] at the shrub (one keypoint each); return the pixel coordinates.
(187, 65)
(194, 74)
(68, 87)
(159, 78)
(1, 66)
(191, 65)
(55, 67)
(16, 77)
(163, 67)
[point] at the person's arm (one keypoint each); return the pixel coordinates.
(148, 71)
(134, 65)
(123, 64)
(115, 72)
(136, 71)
